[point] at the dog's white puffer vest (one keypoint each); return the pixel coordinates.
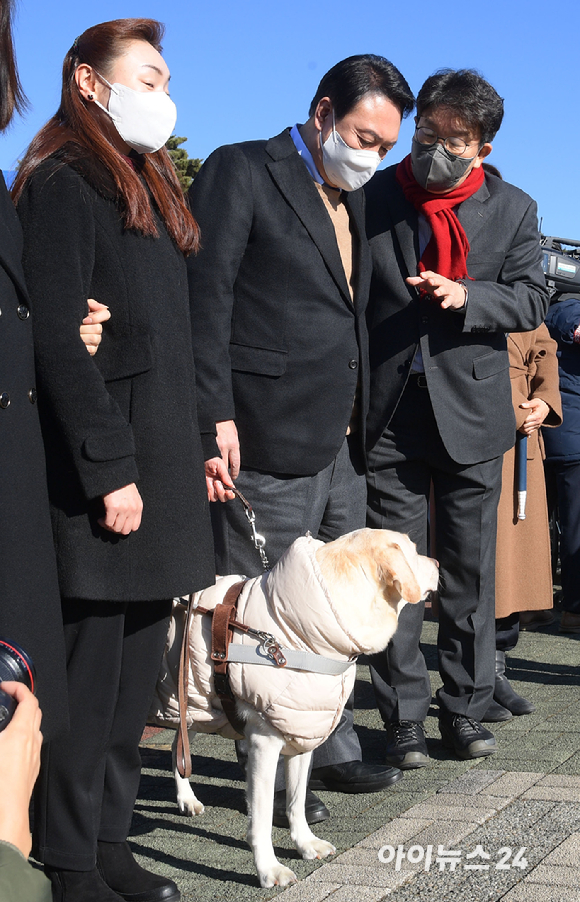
(292, 603)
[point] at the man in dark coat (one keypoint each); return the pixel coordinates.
(278, 294)
(456, 265)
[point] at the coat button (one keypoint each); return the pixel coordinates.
(353, 364)
(32, 396)
(425, 320)
(23, 311)
(4, 400)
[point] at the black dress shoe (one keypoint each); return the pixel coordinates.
(315, 809)
(406, 745)
(128, 879)
(79, 886)
(504, 692)
(465, 736)
(496, 713)
(354, 776)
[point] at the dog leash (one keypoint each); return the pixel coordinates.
(258, 540)
(183, 753)
(222, 617)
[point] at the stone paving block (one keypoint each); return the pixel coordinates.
(445, 833)
(536, 892)
(473, 782)
(554, 875)
(567, 854)
(527, 761)
(364, 857)
(511, 785)
(476, 814)
(380, 875)
(398, 831)
(570, 766)
(564, 780)
(360, 894)
(308, 891)
(552, 793)
(453, 800)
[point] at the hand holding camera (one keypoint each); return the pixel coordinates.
(20, 743)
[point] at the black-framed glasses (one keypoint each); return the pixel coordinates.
(427, 137)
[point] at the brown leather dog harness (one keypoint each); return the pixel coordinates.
(223, 624)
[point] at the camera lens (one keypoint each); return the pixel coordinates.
(15, 664)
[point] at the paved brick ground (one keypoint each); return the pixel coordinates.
(526, 796)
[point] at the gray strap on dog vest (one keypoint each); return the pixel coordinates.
(295, 660)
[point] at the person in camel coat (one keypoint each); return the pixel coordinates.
(523, 562)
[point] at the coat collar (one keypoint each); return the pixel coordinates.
(473, 212)
(294, 181)
(405, 222)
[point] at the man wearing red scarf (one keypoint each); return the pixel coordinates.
(456, 265)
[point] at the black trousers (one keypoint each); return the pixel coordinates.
(566, 475)
(408, 456)
(89, 777)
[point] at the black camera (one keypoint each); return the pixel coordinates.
(17, 666)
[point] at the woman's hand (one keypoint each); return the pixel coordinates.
(20, 746)
(539, 410)
(123, 509)
(92, 329)
(217, 478)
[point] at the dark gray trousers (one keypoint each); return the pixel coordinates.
(408, 456)
(328, 505)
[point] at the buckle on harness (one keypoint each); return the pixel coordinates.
(269, 646)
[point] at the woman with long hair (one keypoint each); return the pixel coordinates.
(104, 217)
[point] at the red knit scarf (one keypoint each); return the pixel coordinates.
(446, 252)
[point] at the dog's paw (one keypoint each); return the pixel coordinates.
(190, 806)
(277, 875)
(316, 848)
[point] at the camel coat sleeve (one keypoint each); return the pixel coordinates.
(523, 562)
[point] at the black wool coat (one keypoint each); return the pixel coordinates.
(129, 413)
(280, 346)
(29, 596)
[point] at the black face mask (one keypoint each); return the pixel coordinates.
(435, 169)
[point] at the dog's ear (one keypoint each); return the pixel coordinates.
(395, 570)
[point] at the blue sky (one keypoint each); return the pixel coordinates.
(246, 70)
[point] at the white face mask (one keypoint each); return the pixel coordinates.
(347, 167)
(144, 119)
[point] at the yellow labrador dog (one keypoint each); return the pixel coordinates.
(325, 604)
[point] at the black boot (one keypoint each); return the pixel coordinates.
(79, 886)
(504, 694)
(496, 713)
(133, 883)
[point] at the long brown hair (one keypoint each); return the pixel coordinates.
(74, 125)
(11, 94)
